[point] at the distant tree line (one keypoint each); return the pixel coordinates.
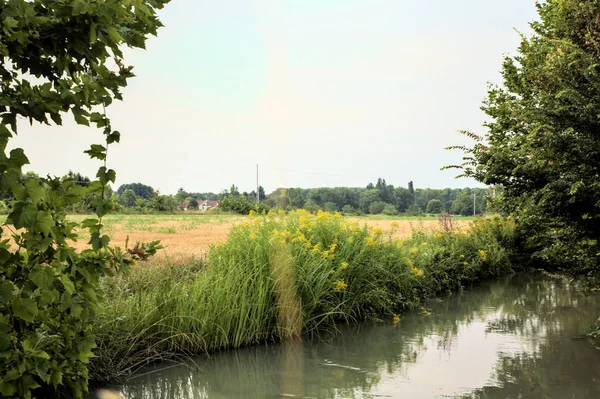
(378, 198)
(382, 198)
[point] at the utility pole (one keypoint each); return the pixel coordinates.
(257, 191)
(474, 204)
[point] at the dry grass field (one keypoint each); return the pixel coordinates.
(187, 236)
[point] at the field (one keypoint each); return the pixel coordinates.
(188, 236)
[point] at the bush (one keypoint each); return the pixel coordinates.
(237, 204)
(376, 207)
(434, 206)
(348, 210)
(330, 207)
(414, 210)
(389, 210)
(311, 206)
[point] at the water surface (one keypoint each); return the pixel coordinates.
(521, 337)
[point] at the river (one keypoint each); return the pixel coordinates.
(519, 337)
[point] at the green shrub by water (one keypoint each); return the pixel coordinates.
(283, 275)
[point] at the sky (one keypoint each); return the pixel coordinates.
(318, 93)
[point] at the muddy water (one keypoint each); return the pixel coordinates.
(521, 337)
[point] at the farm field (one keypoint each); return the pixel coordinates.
(187, 236)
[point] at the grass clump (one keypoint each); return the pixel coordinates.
(280, 276)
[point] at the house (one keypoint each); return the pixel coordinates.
(204, 205)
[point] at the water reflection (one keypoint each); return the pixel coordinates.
(518, 338)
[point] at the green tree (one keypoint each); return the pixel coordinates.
(181, 195)
(541, 144)
(434, 206)
(403, 198)
(128, 198)
(297, 197)
(367, 197)
(141, 190)
(234, 190)
(58, 57)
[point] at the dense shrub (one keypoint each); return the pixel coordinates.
(377, 207)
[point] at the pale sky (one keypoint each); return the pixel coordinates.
(317, 92)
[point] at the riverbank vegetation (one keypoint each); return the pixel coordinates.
(280, 276)
(541, 149)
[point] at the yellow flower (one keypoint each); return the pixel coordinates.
(371, 242)
(395, 225)
(424, 244)
(377, 231)
(340, 285)
(483, 254)
(252, 236)
(418, 272)
(414, 251)
(465, 262)
(438, 235)
(344, 265)
(396, 319)
(299, 237)
(332, 247)
(315, 249)
(325, 254)
(252, 212)
(410, 263)
(462, 256)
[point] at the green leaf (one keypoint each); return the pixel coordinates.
(48, 297)
(42, 276)
(114, 35)
(56, 377)
(7, 389)
(34, 190)
(6, 291)
(4, 132)
(18, 158)
(10, 23)
(114, 137)
(88, 223)
(93, 32)
(96, 151)
(5, 343)
(44, 222)
(68, 284)
(105, 176)
(40, 354)
(85, 347)
(25, 309)
(80, 116)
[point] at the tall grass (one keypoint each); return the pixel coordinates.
(280, 276)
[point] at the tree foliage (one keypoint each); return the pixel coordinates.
(542, 148)
(58, 57)
(140, 190)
